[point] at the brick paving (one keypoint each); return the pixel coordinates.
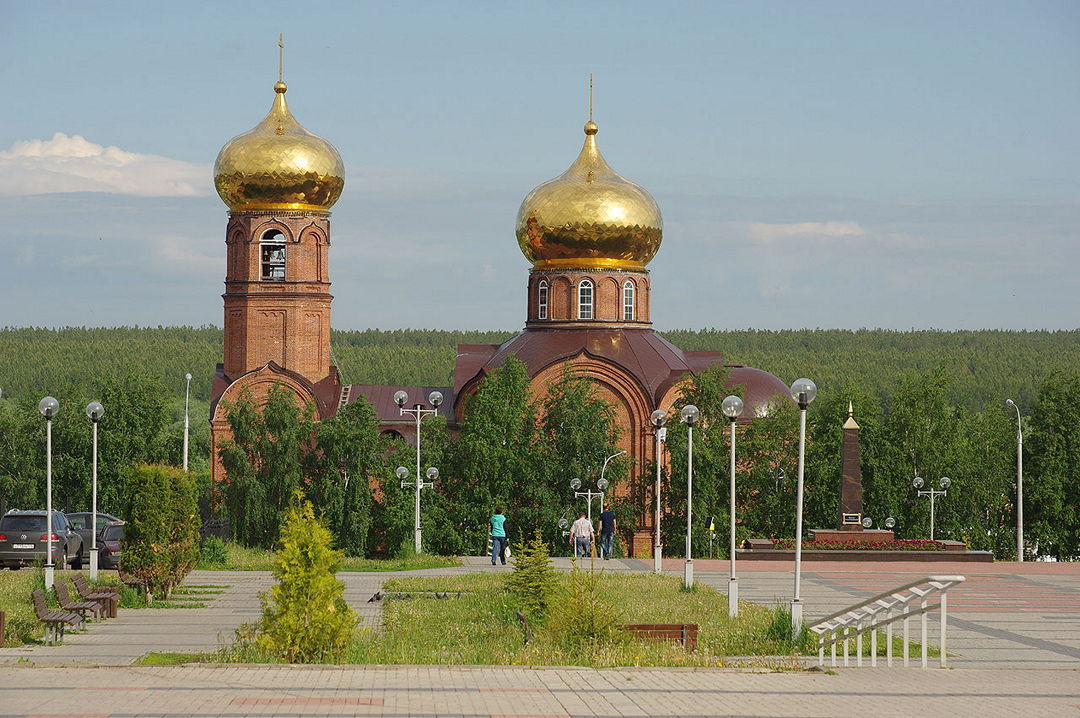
(503, 691)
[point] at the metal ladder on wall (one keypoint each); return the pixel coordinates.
(884, 610)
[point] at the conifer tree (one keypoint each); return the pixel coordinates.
(305, 617)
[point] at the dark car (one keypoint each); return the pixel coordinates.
(80, 521)
(109, 545)
(23, 540)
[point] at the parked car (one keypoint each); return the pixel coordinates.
(109, 545)
(80, 521)
(23, 540)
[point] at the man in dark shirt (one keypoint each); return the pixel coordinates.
(607, 531)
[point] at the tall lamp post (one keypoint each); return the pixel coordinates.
(48, 408)
(1019, 483)
(689, 415)
(94, 412)
(187, 420)
(658, 418)
(732, 407)
(803, 391)
(418, 412)
(944, 482)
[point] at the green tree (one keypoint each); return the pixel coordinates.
(348, 457)
(264, 462)
(305, 616)
(577, 432)
(495, 454)
(1052, 492)
(161, 536)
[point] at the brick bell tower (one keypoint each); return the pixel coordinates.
(279, 182)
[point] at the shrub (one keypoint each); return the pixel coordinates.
(581, 618)
(212, 553)
(161, 538)
(533, 581)
(305, 617)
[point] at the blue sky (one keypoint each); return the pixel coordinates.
(818, 164)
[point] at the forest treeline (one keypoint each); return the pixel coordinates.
(929, 403)
(989, 365)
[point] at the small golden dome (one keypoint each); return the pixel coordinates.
(279, 165)
(589, 216)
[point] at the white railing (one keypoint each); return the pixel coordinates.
(885, 609)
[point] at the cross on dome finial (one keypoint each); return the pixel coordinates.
(280, 87)
(590, 126)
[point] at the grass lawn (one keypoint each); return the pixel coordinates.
(481, 627)
(22, 625)
(239, 558)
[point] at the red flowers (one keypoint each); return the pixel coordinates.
(897, 545)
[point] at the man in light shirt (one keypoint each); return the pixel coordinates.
(581, 535)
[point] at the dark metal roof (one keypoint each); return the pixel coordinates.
(654, 361)
(382, 399)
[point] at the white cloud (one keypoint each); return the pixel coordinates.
(71, 163)
(763, 233)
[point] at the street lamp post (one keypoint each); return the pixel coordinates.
(48, 408)
(432, 474)
(589, 494)
(658, 418)
(94, 412)
(187, 420)
(803, 391)
(732, 407)
(944, 482)
(690, 415)
(418, 412)
(1019, 483)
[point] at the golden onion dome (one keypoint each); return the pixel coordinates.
(589, 216)
(279, 165)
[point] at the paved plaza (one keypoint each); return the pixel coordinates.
(1014, 630)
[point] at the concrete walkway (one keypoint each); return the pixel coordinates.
(491, 692)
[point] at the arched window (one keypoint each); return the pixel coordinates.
(272, 254)
(542, 299)
(628, 301)
(585, 299)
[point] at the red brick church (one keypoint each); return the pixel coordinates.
(589, 235)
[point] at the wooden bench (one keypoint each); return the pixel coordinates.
(83, 608)
(54, 620)
(684, 633)
(107, 596)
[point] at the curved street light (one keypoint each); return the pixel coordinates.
(803, 391)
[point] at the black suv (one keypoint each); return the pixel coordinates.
(81, 521)
(23, 540)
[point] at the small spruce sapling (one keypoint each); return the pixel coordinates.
(305, 617)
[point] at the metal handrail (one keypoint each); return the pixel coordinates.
(883, 610)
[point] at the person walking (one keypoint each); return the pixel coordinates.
(581, 536)
(498, 536)
(607, 531)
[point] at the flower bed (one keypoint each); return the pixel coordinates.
(898, 545)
